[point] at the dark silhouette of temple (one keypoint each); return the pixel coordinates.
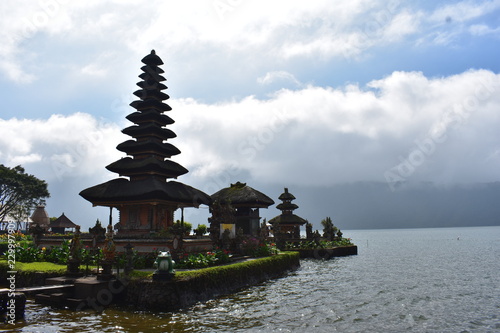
(287, 222)
(147, 199)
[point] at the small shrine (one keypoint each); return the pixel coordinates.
(287, 222)
(241, 203)
(59, 225)
(40, 219)
(147, 198)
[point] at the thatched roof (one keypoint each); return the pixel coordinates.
(130, 166)
(240, 194)
(40, 216)
(287, 219)
(62, 222)
(151, 189)
(286, 196)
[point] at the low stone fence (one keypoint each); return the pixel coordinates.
(141, 245)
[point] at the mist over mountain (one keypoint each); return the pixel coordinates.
(372, 205)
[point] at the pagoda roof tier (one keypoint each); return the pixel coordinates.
(149, 129)
(157, 70)
(151, 84)
(151, 75)
(150, 104)
(152, 59)
(287, 206)
(148, 146)
(145, 94)
(150, 115)
(128, 166)
(286, 196)
(240, 194)
(152, 190)
(287, 219)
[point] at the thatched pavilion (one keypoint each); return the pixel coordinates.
(60, 225)
(245, 203)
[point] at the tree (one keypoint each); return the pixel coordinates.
(19, 189)
(20, 214)
(329, 230)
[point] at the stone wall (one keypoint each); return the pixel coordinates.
(201, 285)
(144, 245)
(340, 251)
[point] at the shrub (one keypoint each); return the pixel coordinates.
(255, 248)
(28, 253)
(144, 260)
(249, 245)
(308, 245)
(57, 254)
(178, 229)
(265, 249)
(202, 260)
(200, 230)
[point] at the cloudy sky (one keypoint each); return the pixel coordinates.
(276, 94)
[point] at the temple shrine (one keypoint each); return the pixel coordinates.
(287, 223)
(147, 199)
(62, 223)
(244, 202)
(40, 218)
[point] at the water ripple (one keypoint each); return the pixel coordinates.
(402, 280)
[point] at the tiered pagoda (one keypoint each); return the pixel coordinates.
(287, 222)
(147, 199)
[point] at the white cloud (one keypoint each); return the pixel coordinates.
(273, 76)
(483, 29)
(313, 135)
(463, 11)
(324, 136)
(61, 146)
(317, 136)
(277, 31)
(26, 159)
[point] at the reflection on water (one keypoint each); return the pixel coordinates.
(402, 280)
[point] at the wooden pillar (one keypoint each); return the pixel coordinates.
(111, 216)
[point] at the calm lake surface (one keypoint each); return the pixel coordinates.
(405, 280)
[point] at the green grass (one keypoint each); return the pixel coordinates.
(141, 274)
(38, 266)
(210, 273)
(227, 271)
(272, 263)
(35, 266)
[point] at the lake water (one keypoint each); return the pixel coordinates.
(404, 280)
